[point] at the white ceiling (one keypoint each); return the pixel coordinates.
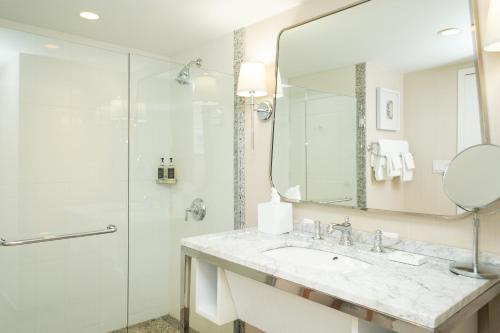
(159, 26)
(400, 35)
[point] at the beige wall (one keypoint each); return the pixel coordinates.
(382, 194)
(438, 142)
(261, 43)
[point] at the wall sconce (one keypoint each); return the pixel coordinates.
(252, 83)
(492, 36)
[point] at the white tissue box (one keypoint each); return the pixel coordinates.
(275, 217)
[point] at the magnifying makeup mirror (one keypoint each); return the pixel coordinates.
(472, 182)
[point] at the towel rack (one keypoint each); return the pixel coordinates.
(374, 152)
(110, 229)
(371, 149)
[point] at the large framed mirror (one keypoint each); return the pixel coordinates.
(376, 104)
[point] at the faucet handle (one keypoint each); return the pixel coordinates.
(377, 242)
(317, 230)
(347, 221)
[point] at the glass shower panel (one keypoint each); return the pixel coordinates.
(193, 124)
(63, 170)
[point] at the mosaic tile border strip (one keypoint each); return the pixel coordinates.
(239, 146)
(361, 135)
(239, 133)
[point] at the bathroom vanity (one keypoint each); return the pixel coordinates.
(292, 283)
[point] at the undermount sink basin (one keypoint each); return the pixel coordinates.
(316, 259)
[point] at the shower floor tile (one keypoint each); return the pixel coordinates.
(165, 324)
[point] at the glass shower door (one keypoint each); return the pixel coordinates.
(193, 124)
(63, 171)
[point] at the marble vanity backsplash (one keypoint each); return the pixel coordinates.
(408, 245)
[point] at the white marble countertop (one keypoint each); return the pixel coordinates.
(425, 295)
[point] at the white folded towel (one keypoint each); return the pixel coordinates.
(392, 159)
(408, 166)
(379, 167)
(392, 149)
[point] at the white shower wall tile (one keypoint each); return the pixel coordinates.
(150, 139)
(67, 173)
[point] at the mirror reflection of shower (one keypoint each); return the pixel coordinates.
(184, 76)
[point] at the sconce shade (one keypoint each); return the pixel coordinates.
(205, 90)
(492, 36)
(252, 80)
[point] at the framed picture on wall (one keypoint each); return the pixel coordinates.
(388, 109)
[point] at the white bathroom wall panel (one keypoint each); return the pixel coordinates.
(297, 156)
(167, 122)
(203, 146)
(150, 139)
(281, 178)
(331, 149)
(64, 170)
(9, 110)
(468, 115)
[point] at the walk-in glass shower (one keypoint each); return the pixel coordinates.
(90, 240)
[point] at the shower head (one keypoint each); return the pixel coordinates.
(184, 76)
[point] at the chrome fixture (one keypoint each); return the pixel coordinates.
(184, 76)
(317, 230)
(110, 229)
(264, 110)
(197, 210)
(476, 191)
(377, 242)
(345, 230)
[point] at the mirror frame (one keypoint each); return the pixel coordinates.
(483, 112)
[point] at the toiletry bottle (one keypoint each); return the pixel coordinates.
(161, 169)
(171, 173)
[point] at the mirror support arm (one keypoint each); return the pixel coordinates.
(473, 270)
(475, 245)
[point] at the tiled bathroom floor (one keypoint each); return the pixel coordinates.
(165, 324)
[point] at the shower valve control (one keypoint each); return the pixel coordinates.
(197, 210)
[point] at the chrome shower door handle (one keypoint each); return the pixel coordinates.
(197, 210)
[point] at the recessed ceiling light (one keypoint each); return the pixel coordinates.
(51, 46)
(449, 31)
(89, 16)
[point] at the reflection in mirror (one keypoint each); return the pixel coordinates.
(374, 109)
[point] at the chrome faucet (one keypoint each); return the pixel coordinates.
(345, 229)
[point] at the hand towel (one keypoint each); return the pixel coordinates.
(408, 166)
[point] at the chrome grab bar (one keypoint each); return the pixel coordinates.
(110, 229)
